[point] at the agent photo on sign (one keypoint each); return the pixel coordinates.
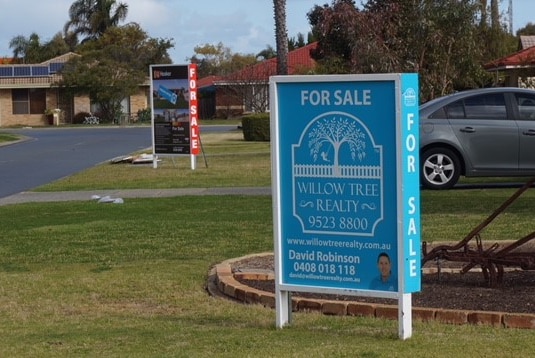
(385, 281)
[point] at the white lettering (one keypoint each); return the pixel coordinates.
(410, 143)
(411, 164)
(412, 268)
(412, 205)
(412, 251)
(410, 121)
(315, 98)
(352, 98)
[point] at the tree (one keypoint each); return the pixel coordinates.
(296, 42)
(440, 40)
(281, 36)
(528, 30)
(57, 46)
(19, 45)
(267, 53)
(92, 18)
(335, 29)
(219, 60)
(26, 48)
(31, 50)
(112, 67)
(332, 133)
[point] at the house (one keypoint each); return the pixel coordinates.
(517, 68)
(526, 41)
(27, 91)
(247, 90)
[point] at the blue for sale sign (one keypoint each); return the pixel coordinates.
(346, 183)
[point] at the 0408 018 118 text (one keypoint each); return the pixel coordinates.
(324, 268)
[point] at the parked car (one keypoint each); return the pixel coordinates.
(488, 132)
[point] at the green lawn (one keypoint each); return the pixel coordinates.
(84, 279)
(8, 137)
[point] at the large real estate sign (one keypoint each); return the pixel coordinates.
(346, 185)
(175, 128)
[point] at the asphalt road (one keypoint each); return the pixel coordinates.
(53, 153)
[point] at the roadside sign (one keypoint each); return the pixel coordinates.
(346, 185)
(173, 95)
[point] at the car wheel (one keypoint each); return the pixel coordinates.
(441, 168)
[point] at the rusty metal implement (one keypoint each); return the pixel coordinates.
(491, 258)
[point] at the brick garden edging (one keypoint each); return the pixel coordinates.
(225, 282)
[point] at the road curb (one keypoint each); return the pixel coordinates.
(222, 282)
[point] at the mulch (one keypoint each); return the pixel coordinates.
(448, 290)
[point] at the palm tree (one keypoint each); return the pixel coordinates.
(281, 36)
(19, 44)
(93, 17)
(28, 49)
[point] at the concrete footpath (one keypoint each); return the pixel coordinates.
(32, 196)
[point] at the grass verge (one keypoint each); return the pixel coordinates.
(8, 137)
(89, 279)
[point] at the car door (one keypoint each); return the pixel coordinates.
(487, 133)
(526, 126)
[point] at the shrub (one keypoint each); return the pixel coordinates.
(256, 127)
(80, 117)
(144, 115)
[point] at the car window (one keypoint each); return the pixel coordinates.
(487, 106)
(455, 110)
(526, 106)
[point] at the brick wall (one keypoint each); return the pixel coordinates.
(8, 119)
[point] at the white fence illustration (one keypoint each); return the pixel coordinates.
(344, 171)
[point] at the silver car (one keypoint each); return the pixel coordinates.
(487, 132)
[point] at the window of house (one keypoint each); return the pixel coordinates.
(29, 101)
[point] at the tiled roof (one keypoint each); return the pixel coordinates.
(521, 59)
(299, 61)
(527, 41)
(8, 61)
(207, 81)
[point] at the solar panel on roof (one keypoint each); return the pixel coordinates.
(39, 70)
(6, 71)
(22, 71)
(56, 66)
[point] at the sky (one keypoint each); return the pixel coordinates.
(244, 26)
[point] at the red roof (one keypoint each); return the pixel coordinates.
(8, 61)
(299, 62)
(523, 58)
(207, 81)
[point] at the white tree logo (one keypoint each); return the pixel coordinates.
(332, 133)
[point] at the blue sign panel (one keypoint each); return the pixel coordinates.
(166, 93)
(338, 149)
(411, 193)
